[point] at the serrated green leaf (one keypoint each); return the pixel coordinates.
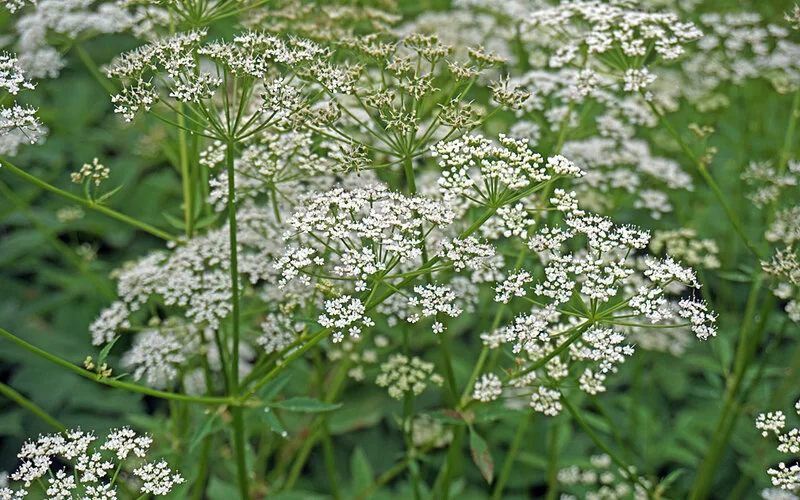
(305, 405)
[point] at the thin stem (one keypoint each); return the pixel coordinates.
(633, 478)
(703, 171)
(199, 489)
(59, 245)
(384, 478)
(508, 464)
(186, 177)
(88, 204)
(87, 61)
(335, 388)
(32, 407)
(116, 383)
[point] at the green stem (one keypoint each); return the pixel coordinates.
(186, 178)
(384, 478)
(199, 490)
(453, 457)
(87, 61)
(327, 442)
(633, 478)
(748, 340)
(316, 433)
(703, 171)
(31, 407)
(116, 383)
(59, 245)
(239, 445)
(552, 461)
(330, 459)
(239, 440)
(287, 361)
(88, 204)
(508, 464)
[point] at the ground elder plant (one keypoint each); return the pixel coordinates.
(526, 249)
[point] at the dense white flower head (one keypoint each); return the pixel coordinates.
(406, 376)
(598, 28)
(93, 475)
(785, 476)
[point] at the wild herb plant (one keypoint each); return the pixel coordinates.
(363, 251)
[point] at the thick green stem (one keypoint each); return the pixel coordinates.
(116, 383)
(239, 434)
(239, 445)
(330, 459)
(88, 204)
(552, 460)
(511, 457)
(453, 457)
(31, 407)
(748, 339)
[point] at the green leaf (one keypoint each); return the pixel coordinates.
(736, 277)
(202, 431)
(11, 423)
(671, 478)
(361, 469)
(109, 194)
(481, 455)
(174, 221)
(274, 386)
(269, 418)
(492, 413)
(447, 417)
(207, 220)
(305, 405)
(104, 353)
(218, 488)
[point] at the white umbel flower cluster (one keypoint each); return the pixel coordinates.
(603, 481)
(93, 466)
(586, 306)
(477, 169)
(407, 376)
(787, 475)
(18, 123)
(357, 233)
(599, 28)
